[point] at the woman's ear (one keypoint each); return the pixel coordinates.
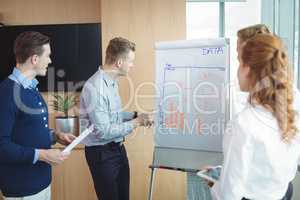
(247, 69)
(119, 63)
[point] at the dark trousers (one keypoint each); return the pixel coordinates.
(288, 195)
(109, 168)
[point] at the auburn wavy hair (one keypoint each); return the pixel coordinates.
(250, 31)
(270, 78)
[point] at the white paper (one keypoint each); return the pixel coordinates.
(203, 175)
(75, 142)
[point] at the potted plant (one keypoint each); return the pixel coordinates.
(66, 123)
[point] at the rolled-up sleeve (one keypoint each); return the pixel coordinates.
(127, 116)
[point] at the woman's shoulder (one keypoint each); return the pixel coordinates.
(252, 113)
(254, 119)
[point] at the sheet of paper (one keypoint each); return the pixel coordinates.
(207, 177)
(75, 142)
(203, 175)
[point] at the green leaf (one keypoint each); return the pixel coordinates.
(63, 103)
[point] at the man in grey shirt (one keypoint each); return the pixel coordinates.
(101, 106)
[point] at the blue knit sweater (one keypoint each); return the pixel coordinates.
(23, 128)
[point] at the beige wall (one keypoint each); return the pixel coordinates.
(142, 21)
(49, 12)
(71, 181)
(145, 22)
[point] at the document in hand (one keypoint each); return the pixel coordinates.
(75, 142)
(210, 174)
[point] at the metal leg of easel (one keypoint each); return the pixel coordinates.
(152, 180)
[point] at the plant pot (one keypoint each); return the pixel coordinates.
(67, 124)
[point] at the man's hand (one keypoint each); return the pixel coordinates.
(209, 183)
(149, 121)
(144, 119)
(52, 156)
(65, 138)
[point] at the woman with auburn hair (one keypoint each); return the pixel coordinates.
(249, 32)
(261, 145)
(197, 188)
(244, 34)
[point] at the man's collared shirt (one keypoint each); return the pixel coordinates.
(18, 77)
(101, 106)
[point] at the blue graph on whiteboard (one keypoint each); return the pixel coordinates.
(191, 99)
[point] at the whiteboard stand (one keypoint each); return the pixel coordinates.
(184, 160)
(193, 105)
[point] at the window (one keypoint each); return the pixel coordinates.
(213, 19)
(198, 16)
(297, 43)
(283, 19)
(239, 15)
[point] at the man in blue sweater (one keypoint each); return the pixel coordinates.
(25, 138)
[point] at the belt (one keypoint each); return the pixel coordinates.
(113, 144)
(106, 146)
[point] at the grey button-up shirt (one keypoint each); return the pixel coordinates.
(100, 105)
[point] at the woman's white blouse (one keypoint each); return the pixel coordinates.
(257, 163)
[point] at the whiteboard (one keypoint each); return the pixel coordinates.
(192, 107)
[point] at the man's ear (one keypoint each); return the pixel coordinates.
(34, 59)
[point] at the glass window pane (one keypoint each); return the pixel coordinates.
(239, 15)
(202, 20)
(297, 41)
